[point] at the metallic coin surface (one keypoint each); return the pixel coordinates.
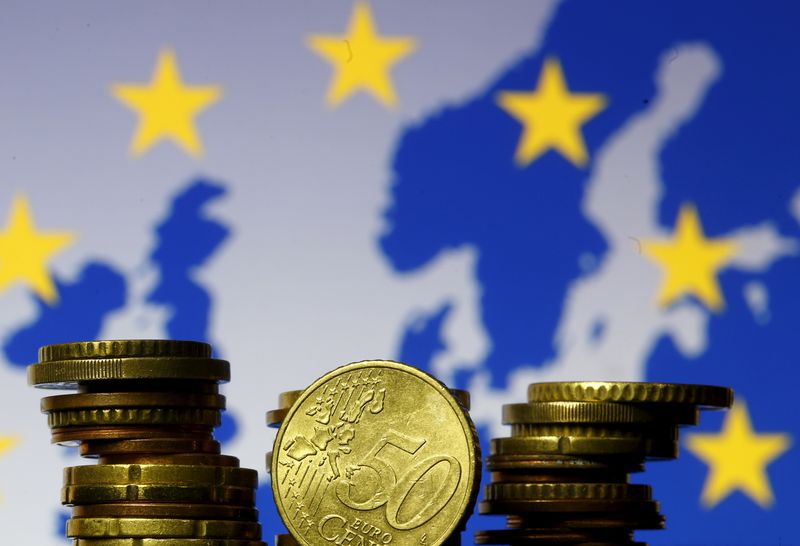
(200, 459)
(120, 348)
(147, 541)
(605, 413)
(165, 510)
(100, 494)
(623, 391)
(150, 474)
(378, 452)
(149, 446)
(133, 416)
(158, 527)
(66, 374)
(132, 399)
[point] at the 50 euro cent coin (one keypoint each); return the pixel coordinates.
(375, 453)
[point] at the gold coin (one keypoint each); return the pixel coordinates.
(99, 494)
(125, 348)
(539, 461)
(146, 541)
(603, 412)
(201, 459)
(549, 537)
(566, 491)
(621, 391)
(288, 398)
(71, 436)
(375, 451)
(159, 527)
(276, 417)
(149, 446)
(668, 432)
(66, 374)
(151, 474)
(165, 510)
(580, 445)
(133, 416)
(132, 399)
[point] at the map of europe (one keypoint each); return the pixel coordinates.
(564, 242)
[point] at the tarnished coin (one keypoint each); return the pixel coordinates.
(566, 491)
(74, 435)
(656, 448)
(706, 396)
(549, 537)
(149, 446)
(161, 527)
(151, 474)
(166, 542)
(201, 459)
(276, 417)
(375, 451)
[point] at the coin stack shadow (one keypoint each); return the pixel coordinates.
(562, 476)
(276, 417)
(147, 410)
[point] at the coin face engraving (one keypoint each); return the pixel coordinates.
(374, 451)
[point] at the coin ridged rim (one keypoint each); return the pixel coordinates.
(159, 474)
(72, 436)
(581, 445)
(586, 430)
(597, 412)
(132, 399)
(159, 527)
(120, 348)
(133, 416)
(165, 510)
(624, 391)
(68, 373)
(98, 494)
(472, 467)
(566, 491)
(149, 541)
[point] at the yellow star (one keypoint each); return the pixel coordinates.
(361, 58)
(737, 459)
(24, 252)
(551, 117)
(166, 107)
(7, 443)
(690, 261)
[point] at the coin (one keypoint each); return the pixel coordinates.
(622, 391)
(125, 348)
(66, 374)
(161, 527)
(132, 399)
(103, 493)
(133, 416)
(150, 446)
(376, 451)
(147, 541)
(149, 474)
(197, 459)
(592, 412)
(165, 510)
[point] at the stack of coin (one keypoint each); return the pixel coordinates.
(373, 453)
(146, 409)
(563, 475)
